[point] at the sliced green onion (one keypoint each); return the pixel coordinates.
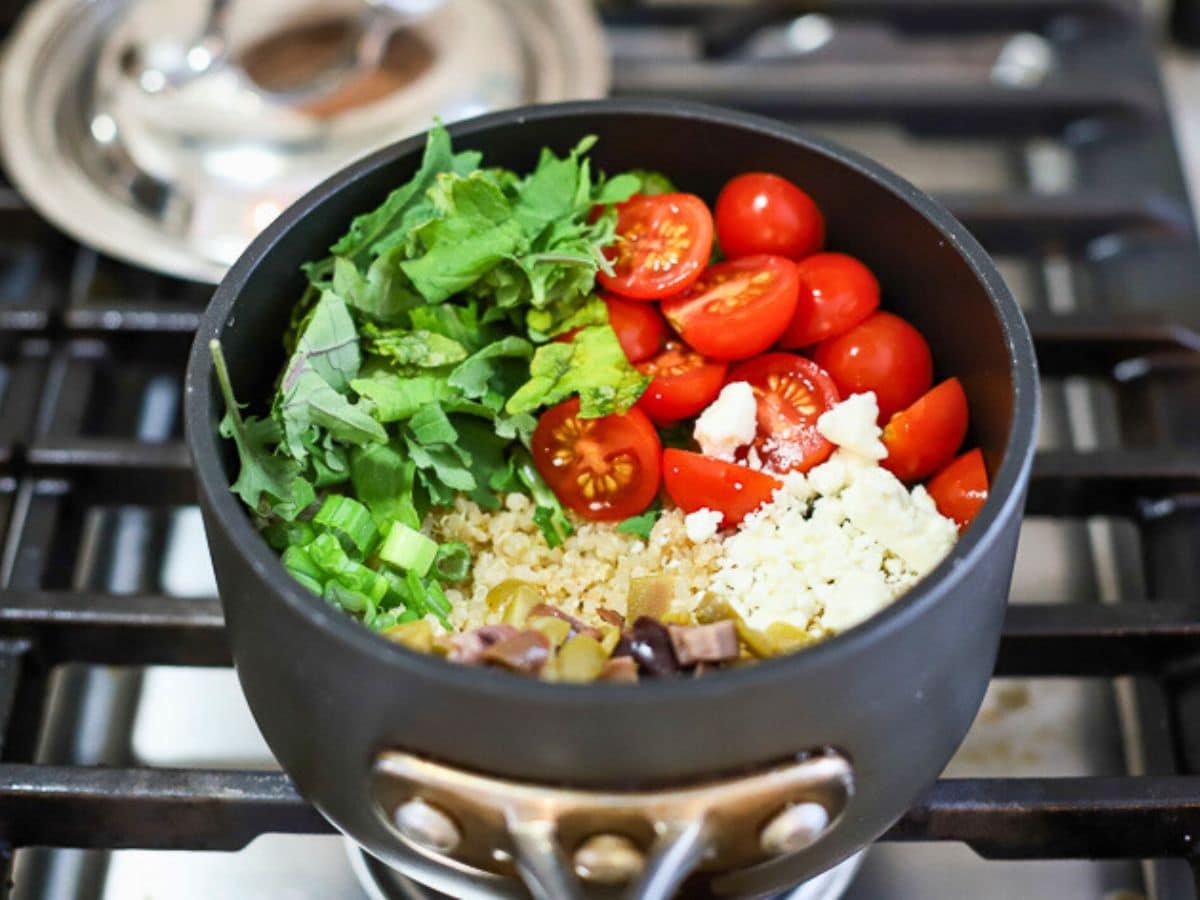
(453, 561)
(297, 561)
(348, 599)
(282, 535)
(331, 558)
(307, 581)
(430, 595)
(399, 587)
(407, 616)
(406, 548)
(438, 600)
(384, 620)
(350, 521)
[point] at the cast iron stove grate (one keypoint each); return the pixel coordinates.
(86, 343)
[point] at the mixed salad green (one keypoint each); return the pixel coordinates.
(417, 354)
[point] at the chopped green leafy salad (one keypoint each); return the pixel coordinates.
(418, 354)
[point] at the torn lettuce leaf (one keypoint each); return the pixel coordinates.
(593, 365)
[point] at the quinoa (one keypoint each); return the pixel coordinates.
(592, 569)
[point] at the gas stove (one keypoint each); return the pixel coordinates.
(129, 764)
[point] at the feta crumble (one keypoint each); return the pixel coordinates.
(702, 524)
(852, 425)
(729, 422)
(832, 548)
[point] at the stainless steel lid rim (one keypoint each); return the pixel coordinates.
(82, 185)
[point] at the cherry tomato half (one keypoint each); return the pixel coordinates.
(924, 437)
(736, 309)
(836, 293)
(761, 213)
(684, 382)
(662, 245)
(792, 392)
(640, 327)
(701, 482)
(961, 489)
(883, 354)
(606, 469)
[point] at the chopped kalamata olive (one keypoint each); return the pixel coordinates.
(611, 616)
(620, 668)
(545, 609)
(624, 646)
(469, 647)
(651, 647)
(713, 643)
(525, 651)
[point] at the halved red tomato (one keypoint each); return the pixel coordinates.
(836, 293)
(792, 392)
(606, 469)
(883, 354)
(961, 489)
(736, 309)
(762, 213)
(662, 245)
(684, 382)
(924, 437)
(640, 327)
(701, 482)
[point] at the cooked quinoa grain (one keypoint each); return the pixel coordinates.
(592, 569)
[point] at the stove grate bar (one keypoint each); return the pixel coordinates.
(937, 15)
(828, 93)
(1119, 817)
(1096, 817)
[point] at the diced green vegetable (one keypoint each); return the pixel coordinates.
(438, 600)
(282, 534)
(307, 581)
(349, 599)
(350, 521)
(580, 660)
(452, 562)
(329, 555)
(430, 594)
(406, 548)
(298, 561)
(513, 600)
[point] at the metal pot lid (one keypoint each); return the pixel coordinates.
(170, 134)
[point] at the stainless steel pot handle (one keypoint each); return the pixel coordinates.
(562, 842)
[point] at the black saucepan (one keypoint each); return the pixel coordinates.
(894, 695)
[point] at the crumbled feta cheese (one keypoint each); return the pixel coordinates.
(832, 548)
(851, 425)
(702, 524)
(729, 422)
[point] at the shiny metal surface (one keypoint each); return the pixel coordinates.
(540, 829)
(111, 142)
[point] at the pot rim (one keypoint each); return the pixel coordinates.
(1006, 495)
